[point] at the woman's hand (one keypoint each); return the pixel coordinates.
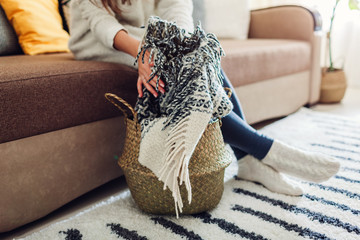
(144, 70)
(124, 42)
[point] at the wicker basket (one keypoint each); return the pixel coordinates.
(333, 86)
(206, 169)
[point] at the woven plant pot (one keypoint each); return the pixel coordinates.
(333, 86)
(206, 169)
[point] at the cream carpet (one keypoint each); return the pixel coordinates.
(330, 210)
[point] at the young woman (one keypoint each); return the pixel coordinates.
(111, 30)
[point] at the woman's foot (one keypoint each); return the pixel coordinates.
(314, 167)
(254, 170)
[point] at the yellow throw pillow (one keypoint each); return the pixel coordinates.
(37, 24)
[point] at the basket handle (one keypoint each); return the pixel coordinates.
(111, 97)
(229, 91)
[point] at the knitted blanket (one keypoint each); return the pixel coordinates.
(173, 123)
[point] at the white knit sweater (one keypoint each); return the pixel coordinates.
(93, 28)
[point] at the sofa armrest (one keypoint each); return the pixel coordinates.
(284, 22)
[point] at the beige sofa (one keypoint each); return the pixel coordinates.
(277, 69)
(59, 135)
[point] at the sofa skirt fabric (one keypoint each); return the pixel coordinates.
(42, 173)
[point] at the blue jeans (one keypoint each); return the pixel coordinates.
(242, 138)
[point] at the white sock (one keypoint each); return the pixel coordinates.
(254, 170)
(305, 165)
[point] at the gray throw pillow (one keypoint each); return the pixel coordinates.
(9, 44)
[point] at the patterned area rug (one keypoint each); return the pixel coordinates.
(330, 210)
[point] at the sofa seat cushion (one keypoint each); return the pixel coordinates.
(253, 60)
(43, 93)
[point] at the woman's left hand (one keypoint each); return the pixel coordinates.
(124, 42)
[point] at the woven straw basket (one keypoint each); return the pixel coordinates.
(206, 169)
(333, 86)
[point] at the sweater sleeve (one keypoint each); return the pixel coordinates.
(179, 11)
(102, 23)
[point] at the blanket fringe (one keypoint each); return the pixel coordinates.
(175, 170)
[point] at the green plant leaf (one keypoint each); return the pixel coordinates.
(354, 4)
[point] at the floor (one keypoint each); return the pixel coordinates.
(349, 107)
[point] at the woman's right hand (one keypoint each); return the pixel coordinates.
(144, 70)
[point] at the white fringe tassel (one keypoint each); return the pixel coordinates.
(175, 170)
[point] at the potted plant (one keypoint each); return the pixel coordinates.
(333, 83)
